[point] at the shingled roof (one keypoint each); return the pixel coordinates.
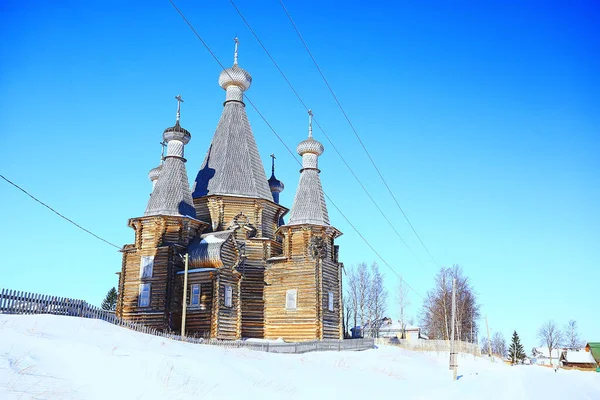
(171, 194)
(232, 165)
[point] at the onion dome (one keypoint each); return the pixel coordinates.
(154, 173)
(176, 132)
(235, 76)
(275, 185)
(235, 80)
(310, 145)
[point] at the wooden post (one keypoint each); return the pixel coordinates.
(489, 341)
(453, 365)
(184, 305)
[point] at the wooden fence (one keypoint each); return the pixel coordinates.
(431, 345)
(16, 302)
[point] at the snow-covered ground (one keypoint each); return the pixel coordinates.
(52, 357)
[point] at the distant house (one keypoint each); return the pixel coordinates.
(389, 328)
(578, 358)
(541, 356)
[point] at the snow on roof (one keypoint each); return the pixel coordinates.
(582, 357)
(543, 352)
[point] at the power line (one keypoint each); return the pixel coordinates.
(325, 134)
(59, 214)
(290, 151)
(355, 132)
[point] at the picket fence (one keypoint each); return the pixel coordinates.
(431, 345)
(17, 302)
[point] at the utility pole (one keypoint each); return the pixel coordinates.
(489, 341)
(184, 305)
(453, 365)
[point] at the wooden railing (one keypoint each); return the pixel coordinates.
(431, 345)
(16, 302)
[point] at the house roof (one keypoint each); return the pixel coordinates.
(579, 357)
(543, 352)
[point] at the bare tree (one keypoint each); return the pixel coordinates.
(363, 288)
(377, 300)
(403, 303)
(436, 313)
(499, 345)
(571, 335)
(550, 336)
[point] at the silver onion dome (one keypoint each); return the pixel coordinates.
(235, 76)
(154, 173)
(310, 145)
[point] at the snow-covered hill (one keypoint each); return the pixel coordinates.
(53, 357)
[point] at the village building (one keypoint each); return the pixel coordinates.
(578, 359)
(250, 274)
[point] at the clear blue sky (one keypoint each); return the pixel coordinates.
(484, 117)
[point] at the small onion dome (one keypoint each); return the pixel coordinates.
(310, 145)
(235, 76)
(154, 173)
(275, 184)
(176, 132)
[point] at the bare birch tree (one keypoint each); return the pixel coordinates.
(436, 310)
(377, 300)
(571, 335)
(403, 303)
(550, 336)
(499, 345)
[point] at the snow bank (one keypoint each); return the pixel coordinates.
(54, 357)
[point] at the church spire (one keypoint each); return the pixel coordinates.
(232, 165)
(171, 194)
(309, 203)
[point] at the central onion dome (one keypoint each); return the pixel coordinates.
(310, 145)
(235, 76)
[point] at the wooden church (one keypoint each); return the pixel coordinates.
(250, 274)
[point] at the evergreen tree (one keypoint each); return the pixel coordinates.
(515, 351)
(110, 301)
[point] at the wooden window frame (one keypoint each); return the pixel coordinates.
(140, 294)
(146, 266)
(228, 296)
(197, 304)
(287, 294)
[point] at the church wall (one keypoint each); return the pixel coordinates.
(252, 289)
(198, 318)
(228, 317)
(295, 325)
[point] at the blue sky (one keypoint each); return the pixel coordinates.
(484, 117)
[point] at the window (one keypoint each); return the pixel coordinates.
(144, 296)
(291, 297)
(228, 296)
(195, 295)
(146, 266)
(330, 301)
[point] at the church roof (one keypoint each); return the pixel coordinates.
(309, 203)
(171, 195)
(232, 165)
(206, 250)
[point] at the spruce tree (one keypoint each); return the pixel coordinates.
(515, 351)
(110, 301)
